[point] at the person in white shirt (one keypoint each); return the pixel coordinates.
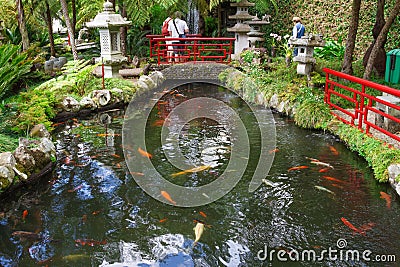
(178, 28)
(170, 51)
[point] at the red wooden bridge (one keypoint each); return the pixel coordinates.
(381, 113)
(195, 49)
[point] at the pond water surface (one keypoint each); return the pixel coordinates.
(91, 211)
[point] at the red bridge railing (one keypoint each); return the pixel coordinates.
(194, 49)
(338, 96)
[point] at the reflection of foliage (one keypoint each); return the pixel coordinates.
(378, 155)
(13, 67)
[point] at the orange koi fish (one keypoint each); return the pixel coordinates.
(297, 168)
(158, 123)
(273, 150)
(203, 214)
(163, 220)
(386, 197)
(351, 226)
(167, 197)
(192, 170)
(332, 179)
(116, 156)
(333, 150)
(144, 153)
(137, 173)
(107, 134)
(324, 170)
(24, 214)
(95, 212)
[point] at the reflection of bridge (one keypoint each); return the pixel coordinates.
(195, 49)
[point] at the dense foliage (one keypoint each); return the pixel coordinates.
(13, 67)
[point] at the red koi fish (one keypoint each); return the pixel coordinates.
(90, 242)
(333, 179)
(144, 153)
(24, 214)
(386, 197)
(297, 168)
(351, 226)
(167, 197)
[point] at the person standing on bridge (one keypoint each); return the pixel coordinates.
(298, 31)
(166, 34)
(178, 28)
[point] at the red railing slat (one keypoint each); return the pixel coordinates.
(360, 113)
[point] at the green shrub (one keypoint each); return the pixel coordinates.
(13, 67)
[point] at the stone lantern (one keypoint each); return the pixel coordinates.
(255, 35)
(240, 29)
(305, 46)
(109, 23)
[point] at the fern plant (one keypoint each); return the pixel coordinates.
(13, 67)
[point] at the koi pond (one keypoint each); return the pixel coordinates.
(319, 205)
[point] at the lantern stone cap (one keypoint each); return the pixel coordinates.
(241, 16)
(256, 21)
(239, 27)
(108, 18)
(310, 40)
(243, 3)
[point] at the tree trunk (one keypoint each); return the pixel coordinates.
(64, 8)
(347, 66)
(124, 32)
(22, 25)
(73, 4)
(380, 62)
(50, 29)
(381, 39)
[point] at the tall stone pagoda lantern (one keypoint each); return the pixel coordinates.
(241, 29)
(109, 23)
(255, 34)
